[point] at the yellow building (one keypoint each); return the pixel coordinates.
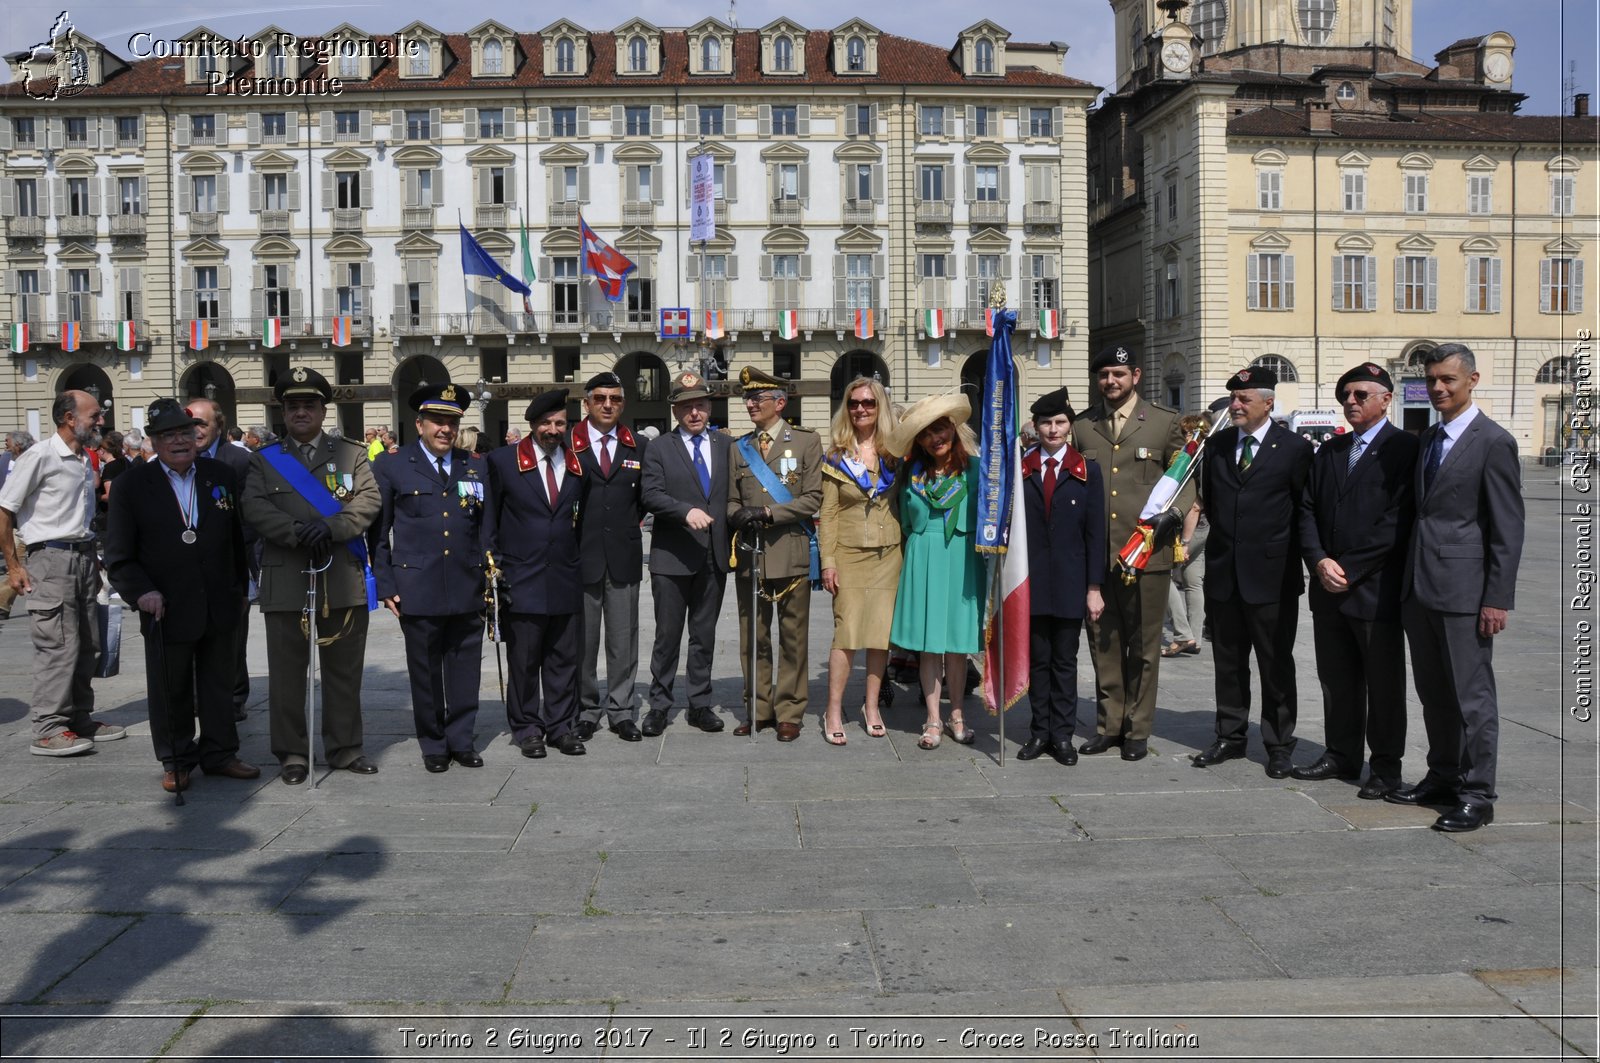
(1319, 201)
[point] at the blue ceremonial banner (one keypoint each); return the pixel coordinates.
(476, 262)
(997, 438)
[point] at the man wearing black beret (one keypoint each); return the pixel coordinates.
(531, 528)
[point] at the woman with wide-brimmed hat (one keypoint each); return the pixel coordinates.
(941, 575)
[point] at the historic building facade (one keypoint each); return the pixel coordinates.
(1280, 181)
(241, 205)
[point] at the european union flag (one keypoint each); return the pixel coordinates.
(476, 262)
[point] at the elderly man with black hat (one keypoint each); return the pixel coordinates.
(685, 486)
(1132, 441)
(531, 528)
(1354, 530)
(311, 498)
(429, 563)
(175, 548)
(1252, 486)
(611, 546)
(774, 492)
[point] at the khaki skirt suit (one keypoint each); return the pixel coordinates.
(859, 537)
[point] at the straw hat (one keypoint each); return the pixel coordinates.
(925, 412)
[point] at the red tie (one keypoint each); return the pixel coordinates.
(605, 455)
(1049, 483)
(550, 479)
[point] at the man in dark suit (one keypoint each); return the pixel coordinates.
(175, 549)
(1354, 528)
(428, 562)
(686, 488)
(611, 546)
(211, 437)
(1460, 582)
(1065, 506)
(531, 527)
(1252, 484)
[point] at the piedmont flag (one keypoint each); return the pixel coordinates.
(933, 323)
(19, 338)
(863, 324)
(674, 322)
(126, 338)
(714, 326)
(341, 330)
(788, 324)
(199, 334)
(272, 332)
(609, 266)
(1002, 526)
(1049, 324)
(989, 320)
(71, 333)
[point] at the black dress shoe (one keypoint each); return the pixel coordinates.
(362, 766)
(628, 731)
(467, 759)
(1065, 755)
(1467, 817)
(436, 762)
(570, 745)
(743, 730)
(1376, 787)
(293, 774)
(1033, 749)
(533, 747)
(654, 722)
(1135, 748)
(1427, 792)
(1099, 744)
(1217, 752)
(705, 719)
(1279, 765)
(1326, 767)
(586, 729)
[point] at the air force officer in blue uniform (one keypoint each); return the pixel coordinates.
(429, 566)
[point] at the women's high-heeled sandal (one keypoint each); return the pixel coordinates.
(932, 733)
(874, 730)
(962, 734)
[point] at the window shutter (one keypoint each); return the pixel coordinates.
(765, 271)
(949, 121)
(186, 304)
(508, 120)
(94, 281)
(1433, 283)
(619, 120)
(252, 129)
(435, 124)
(221, 122)
(804, 183)
(544, 123)
(803, 119)
(291, 128)
(1577, 286)
(805, 267)
(1022, 122)
(327, 189)
(583, 121)
(1372, 282)
(1057, 120)
(657, 114)
(222, 192)
(1288, 282)
(1473, 266)
(255, 193)
(5, 135)
(511, 187)
(764, 120)
(630, 184)
(691, 119)
(583, 184)
(469, 123)
(1005, 267)
(258, 302)
(730, 118)
(1544, 286)
(326, 133)
(1399, 282)
(850, 120)
(731, 265)
(481, 184)
(294, 191)
(329, 301)
(974, 293)
(438, 189)
(544, 268)
(691, 268)
(970, 182)
(971, 121)
(8, 196)
(224, 286)
(364, 125)
(296, 310)
(1252, 279)
(397, 124)
(841, 290)
(144, 195)
(401, 308)
(180, 132)
(1005, 184)
(108, 134)
(1494, 285)
(657, 188)
(185, 194)
(730, 182)
(110, 195)
(949, 267)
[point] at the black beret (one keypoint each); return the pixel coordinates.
(607, 379)
(1051, 404)
(164, 415)
(303, 381)
(546, 403)
(1116, 354)
(440, 398)
(1253, 377)
(1365, 372)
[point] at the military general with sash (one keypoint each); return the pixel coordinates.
(311, 498)
(429, 562)
(774, 492)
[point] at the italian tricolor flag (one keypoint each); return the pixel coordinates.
(19, 338)
(272, 332)
(1049, 324)
(127, 337)
(933, 323)
(788, 324)
(863, 324)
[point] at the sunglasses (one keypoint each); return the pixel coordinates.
(862, 404)
(606, 400)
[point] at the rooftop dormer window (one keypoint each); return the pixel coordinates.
(855, 51)
(983, 56)
(638, 54)
(566, 56)
(421, 62)
(783, 53)
(494, 56)
(710, 54)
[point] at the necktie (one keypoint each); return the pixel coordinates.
(701, 468)
(444, 477)
(308, 453)
(765, 442)
(605, 454)
(1049, 483)
(1435, 458)
(1247, 455)
(1355, 453)
(550, 479)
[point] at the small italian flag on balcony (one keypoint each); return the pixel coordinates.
(863, 324)
(71, 335)
(127, 336)
(19, 338)
(933, 323)
(714, 327)
(1049, 324)
(788, 324)
(341, 330)
(271, 332)
(199, 334)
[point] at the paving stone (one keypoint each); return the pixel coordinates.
(952, 821)
(1107, 773)
(1085, 872)
(401, 780)
(159, 825)
(1542, 853)
(784, 881)
(137, 781)
(39, 951)
(119, 881)
(592, 780)
(727, 957)
(15, 863)
(490, 883)
(20, 773)
(93, 1032)
(1560, 999)
(878, 780)
(1199, 813)
(329, 826)
(360, 958)
(673, 827)
(19, 818)
(1322, 862)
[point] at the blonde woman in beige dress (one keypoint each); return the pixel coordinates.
(859, 539)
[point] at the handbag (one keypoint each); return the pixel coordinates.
(109, 616)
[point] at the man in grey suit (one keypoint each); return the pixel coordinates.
(685, 485)
(1460, 581)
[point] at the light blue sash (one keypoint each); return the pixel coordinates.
(315, 492)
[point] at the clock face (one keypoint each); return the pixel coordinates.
(1175, 56)
(1497, 67)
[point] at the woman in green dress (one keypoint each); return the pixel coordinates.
(941, 576)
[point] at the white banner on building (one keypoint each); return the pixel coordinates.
(702, 199)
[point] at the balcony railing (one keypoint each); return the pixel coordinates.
(127, 225)
(275, 221)
(348, 219)
(77, 225)
(933, 212)
(785, 212)
(416, 218)
(1041, 214)
(986, 212)
(641, 212)
(27, 226)
(483, 321)
(859, 212)
(202, 223)
(489, 216)
(564, 213)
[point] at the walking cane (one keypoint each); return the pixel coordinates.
(308, 620)
(756, 550)
(491, 597)
(172, 731)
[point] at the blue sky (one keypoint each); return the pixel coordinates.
(1549, 33)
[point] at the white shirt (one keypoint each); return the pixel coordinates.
(705, 445)
(604, 443)
(433, 462)
(556, 460)
(184, 489)
(50, 491)
(1451, 430)
(1259, 435)
(1055, 457)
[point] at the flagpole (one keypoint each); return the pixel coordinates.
(583, 257)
